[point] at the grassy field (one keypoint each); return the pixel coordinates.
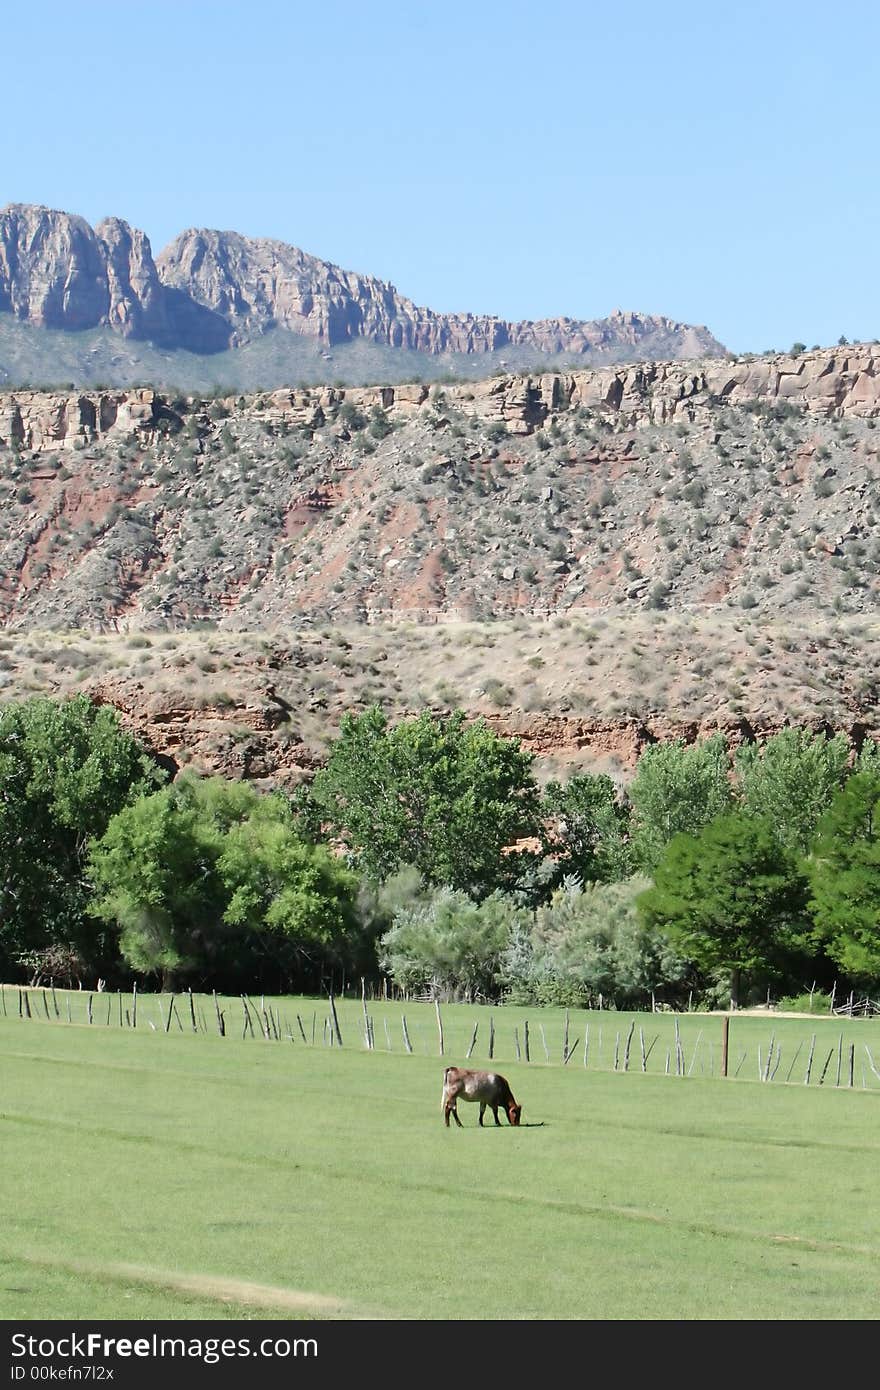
(149, 1174)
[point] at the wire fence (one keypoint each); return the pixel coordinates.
(689, 1045)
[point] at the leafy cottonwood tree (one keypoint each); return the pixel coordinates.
(844, 872)
(677, 787)
(791, 779)
(585, 828)
(208, 875)
(281, 886)
(154, 876)
(65, 768)
(730, 897)
(444, 796)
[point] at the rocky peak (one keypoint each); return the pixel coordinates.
(211, 290)
(256, 284)
(136, 295)
(52, 270)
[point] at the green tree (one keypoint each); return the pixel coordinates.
(282, 887)
(586, 826)
(443, 795)
(790, 780)
(155, 880)
(868, 757)
(209, 877)
(65, 768)
(844, 871)
(730, 898)
(678, 787)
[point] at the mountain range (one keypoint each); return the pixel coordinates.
(220, 295)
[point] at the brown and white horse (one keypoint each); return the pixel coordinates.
(486, 1087)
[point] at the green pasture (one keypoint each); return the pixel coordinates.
(179, 1174)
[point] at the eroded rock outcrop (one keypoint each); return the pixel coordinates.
(52, 269)
(258, 284)
(136, 296)
(210, 290)
(836, 382)
(58, 272)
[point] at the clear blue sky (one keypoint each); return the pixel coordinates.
(717, 162)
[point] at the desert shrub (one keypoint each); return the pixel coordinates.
(590, 942)
(449, 945)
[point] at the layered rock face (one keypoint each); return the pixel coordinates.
(137, 300)
(58, 272)
(835, 383)
(212, 290)
(259, 284)
(52, 269)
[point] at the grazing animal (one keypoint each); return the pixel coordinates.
(487, 1087)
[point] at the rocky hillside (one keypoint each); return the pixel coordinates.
(751, 483)
(209, 292)
(592, 559)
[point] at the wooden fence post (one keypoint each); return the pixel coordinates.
(627, 1047)
(696, 1048)
(793, 1060)
(725, 1034)
(766, 1075)
(810, 1060)
(335, 1021)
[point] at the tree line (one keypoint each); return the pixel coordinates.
(427, 850)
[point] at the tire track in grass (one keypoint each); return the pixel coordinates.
(740, 1137)
(601, 1211)
(218, 1287)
